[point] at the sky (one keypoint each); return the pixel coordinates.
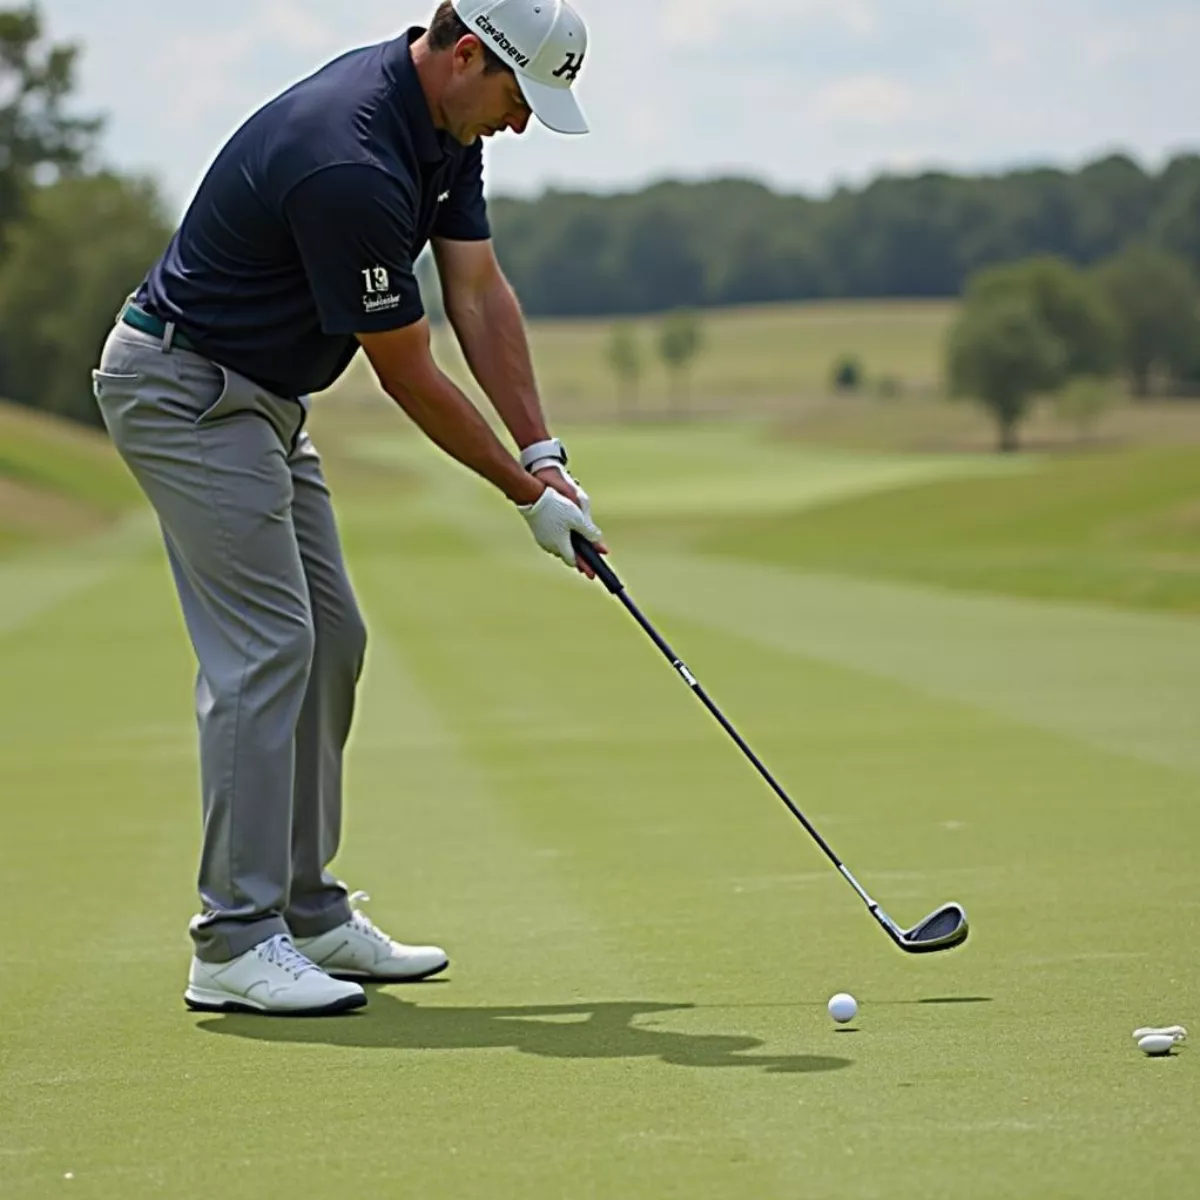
(804, 95)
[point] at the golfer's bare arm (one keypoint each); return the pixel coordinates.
(486, 317)
(404, 364)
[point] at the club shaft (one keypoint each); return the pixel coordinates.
(613, 584)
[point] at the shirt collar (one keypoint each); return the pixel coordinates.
(427, 140)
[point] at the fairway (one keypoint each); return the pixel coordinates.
(1113, 528)
(642, 940)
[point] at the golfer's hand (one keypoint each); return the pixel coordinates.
(555, 516)
(561, 481)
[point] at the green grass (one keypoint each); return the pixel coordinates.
(714, 470)
(57, 480)
(66, 459)
(1120, 528)
(754, 359)
(643, 941)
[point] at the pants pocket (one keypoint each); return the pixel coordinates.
(201, 391)
(105, 383)
(223, 405)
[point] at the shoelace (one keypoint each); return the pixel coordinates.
(280, 952)
(363, 923)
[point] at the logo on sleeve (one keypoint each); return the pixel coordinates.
(379, 296)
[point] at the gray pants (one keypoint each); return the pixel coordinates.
(255, 553)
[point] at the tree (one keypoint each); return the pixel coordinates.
(659, 260)
(847, 374)
(1066, 303)
(1001, 353)
(1111, 199)
(624, 353)
(1156, 301)
(39, 142)
(1175, 226)
(680, 340)
(83, 247)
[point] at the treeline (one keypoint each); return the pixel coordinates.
(74, 239)
(737, 242)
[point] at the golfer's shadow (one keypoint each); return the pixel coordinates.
(605, 1029)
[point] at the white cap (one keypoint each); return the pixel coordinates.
(544, 42)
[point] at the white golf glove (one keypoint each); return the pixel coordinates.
(585, 501)
(551, 456)
(552, 520)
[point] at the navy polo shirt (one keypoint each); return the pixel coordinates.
(306, 227)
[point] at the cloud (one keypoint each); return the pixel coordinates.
(867, 99)
(295, 27)
(801, 93)
(233, 57)
(709, 22)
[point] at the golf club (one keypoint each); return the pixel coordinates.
(943, 929)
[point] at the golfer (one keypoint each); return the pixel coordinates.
(296, 251)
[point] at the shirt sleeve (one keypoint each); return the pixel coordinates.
(354, 227)
(462, 216)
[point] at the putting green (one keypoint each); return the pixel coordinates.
(643, 941)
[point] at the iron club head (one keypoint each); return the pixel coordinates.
(943, 929)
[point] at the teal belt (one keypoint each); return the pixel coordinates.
(138, 318)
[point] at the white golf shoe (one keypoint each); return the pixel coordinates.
(360, 950)
(274, 979)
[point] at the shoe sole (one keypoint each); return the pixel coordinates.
(367, 977)
(199, 1003)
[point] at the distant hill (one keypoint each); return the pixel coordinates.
(57, 479)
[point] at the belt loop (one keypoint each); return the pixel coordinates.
(168, 337)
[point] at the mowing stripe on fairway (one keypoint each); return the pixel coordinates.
(34, 582)
(410, 771)
(1125, 682)
(533, 963)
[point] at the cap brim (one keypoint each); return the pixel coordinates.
(555, 107)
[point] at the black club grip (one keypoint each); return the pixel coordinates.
(595, 560)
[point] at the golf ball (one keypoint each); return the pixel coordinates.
(1156, 1043)
(842, 1007)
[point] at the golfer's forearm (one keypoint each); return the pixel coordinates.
(454, 424)
(491, 331)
